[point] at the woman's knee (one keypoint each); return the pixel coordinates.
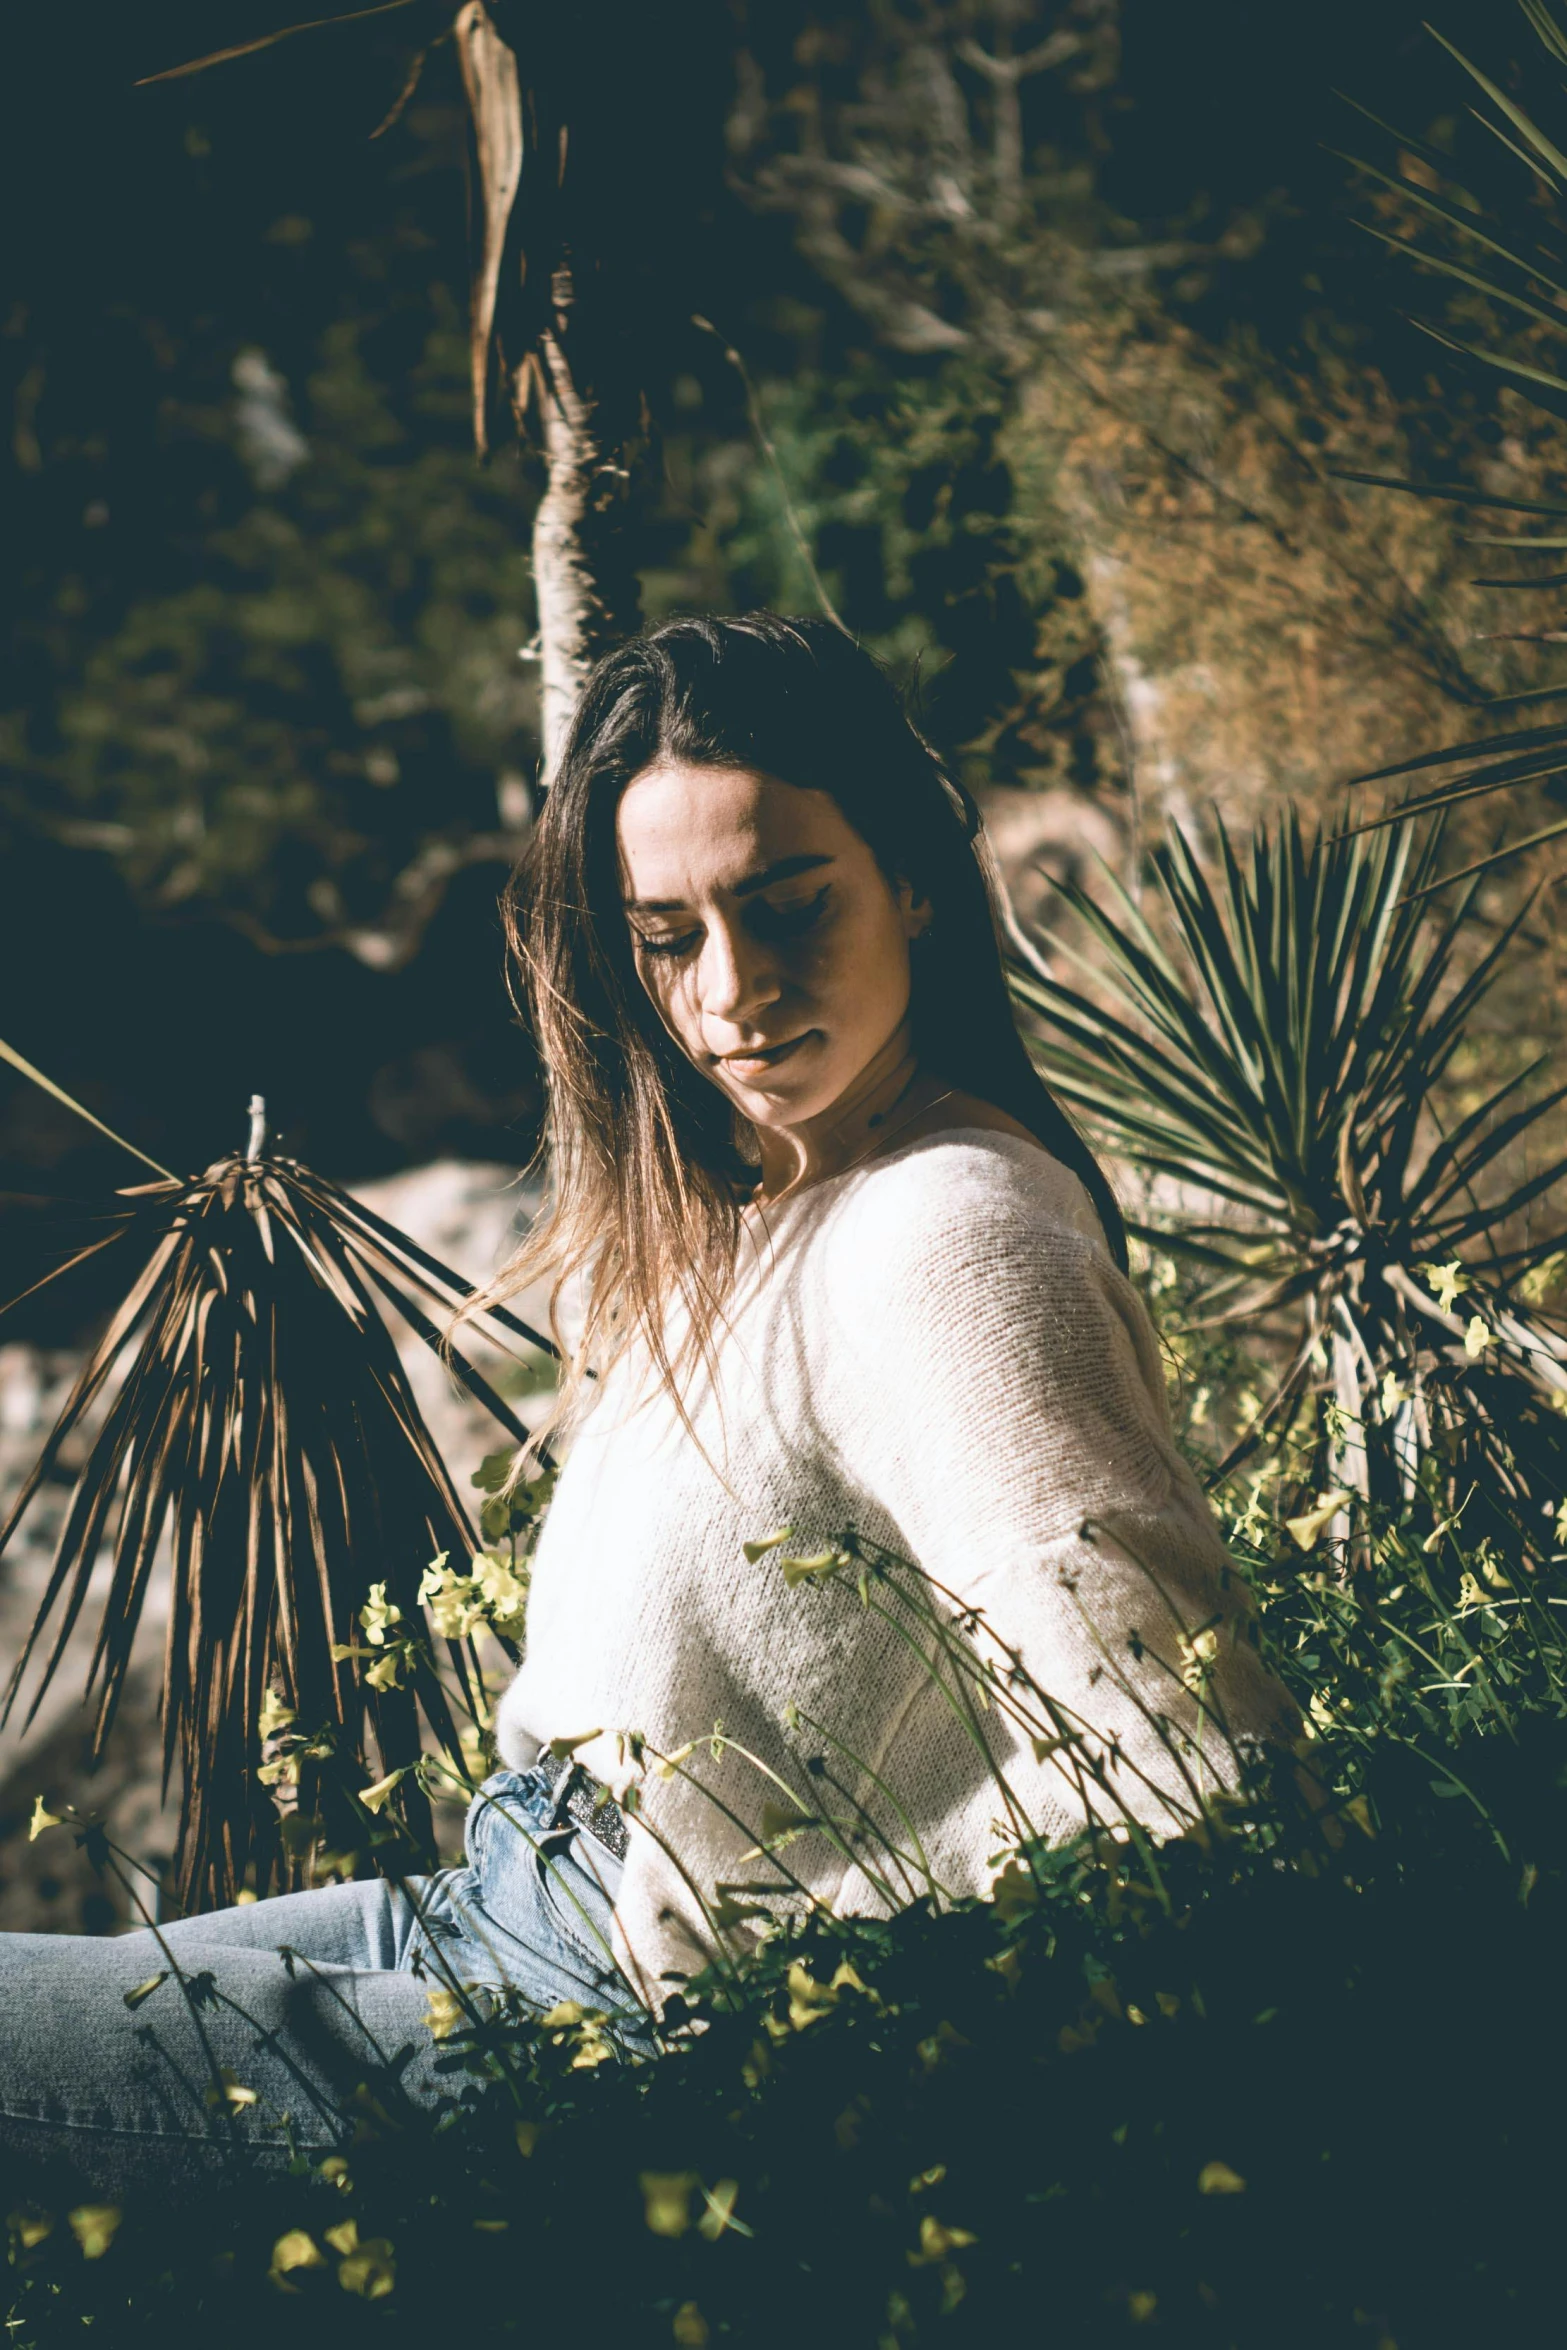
(229, 2053)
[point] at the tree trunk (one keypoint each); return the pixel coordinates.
(585, 588)
(586, 592)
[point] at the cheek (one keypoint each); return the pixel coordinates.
(865, 960)
(671, 992)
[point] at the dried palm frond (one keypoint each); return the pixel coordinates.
(259, 1416)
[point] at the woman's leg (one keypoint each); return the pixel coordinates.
(238, 2055)
(219, 2041)
(364, 1924)
(262, 2023)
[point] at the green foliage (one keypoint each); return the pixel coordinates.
(901, 484)
(1491, 234)
(308, 735)
(1224, 2091)
(1271, 1045)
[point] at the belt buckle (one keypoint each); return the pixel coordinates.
(573, 1791)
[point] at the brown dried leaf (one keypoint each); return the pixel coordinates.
(316, 24)
(489, 73)
(394, 113)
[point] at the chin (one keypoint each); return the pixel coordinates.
(780, 1105)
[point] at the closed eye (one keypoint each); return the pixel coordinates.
(790, 921)
(767, 920)
(677, 945)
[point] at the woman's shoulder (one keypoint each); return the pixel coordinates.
(961, 1194)
(977, 1250)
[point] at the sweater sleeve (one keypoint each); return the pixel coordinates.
(1014, 1429)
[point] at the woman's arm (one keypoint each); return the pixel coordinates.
(1010, 1418)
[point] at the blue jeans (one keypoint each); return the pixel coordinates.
(300, 1999)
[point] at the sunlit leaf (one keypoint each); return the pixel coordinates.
(489, 73)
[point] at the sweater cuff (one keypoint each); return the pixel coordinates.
(514, 1742)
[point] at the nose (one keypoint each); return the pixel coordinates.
(737, 976)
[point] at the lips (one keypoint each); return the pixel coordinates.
(754, 1063)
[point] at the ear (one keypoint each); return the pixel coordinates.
(916, 911)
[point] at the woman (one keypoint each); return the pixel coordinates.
(848, 1272)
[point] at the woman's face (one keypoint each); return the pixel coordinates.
(775, 948)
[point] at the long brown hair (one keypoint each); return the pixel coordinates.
(644, 1156)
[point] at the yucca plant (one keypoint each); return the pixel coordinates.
(1499, 233)
(1268, 1045)
(259, 1419)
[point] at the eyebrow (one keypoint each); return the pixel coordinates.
(783, 869)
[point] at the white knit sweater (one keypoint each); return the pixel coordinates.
(935, 1350)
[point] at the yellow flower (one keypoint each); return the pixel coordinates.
(383, 1673)
(502, 1589)
(666, 2200)
(443, 2012)
(1477, 1338)
(297, 2249)
(757, 1550)
(30, 2227)
(1394, 1392)
(1444, 1283)
(435, 1576)
(690, 2327)
(594, 2046)
(40, 1820)
(367, 2269)
(820, 1567)
(379, 1615)
(1308, 1527)
(808, 1999)
(1217, 2178)
(227, 2090)
(454, 1613)
(373, 1798)
(1199, 1656)
(936, 2241)
(93, 2225)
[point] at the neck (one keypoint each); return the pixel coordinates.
(889, 1090)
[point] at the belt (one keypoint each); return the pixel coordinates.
(582, 1799)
